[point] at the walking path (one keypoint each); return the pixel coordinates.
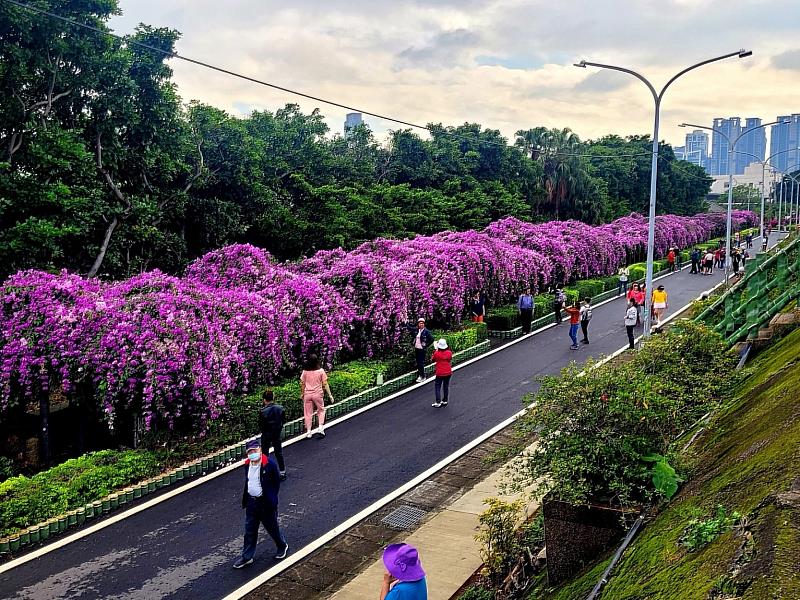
(184, 546)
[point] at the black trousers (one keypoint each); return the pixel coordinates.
(419, 355)
(585, 330)
(694, 267)
(629, 328)
(526, 316)
(258, 512)
(557, 314)
(272, 438)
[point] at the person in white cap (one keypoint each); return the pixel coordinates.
(422, 339)
(442, 358)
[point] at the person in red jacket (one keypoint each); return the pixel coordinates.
(671, 259)
(442, 358)
(574, 313)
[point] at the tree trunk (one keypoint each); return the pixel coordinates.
(98, 261)
(44, 430)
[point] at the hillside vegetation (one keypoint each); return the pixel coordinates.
(745, 461)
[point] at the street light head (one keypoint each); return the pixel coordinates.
(683, 125)
(745, 53)
(581, 64)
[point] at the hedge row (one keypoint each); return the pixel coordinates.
(25, 501)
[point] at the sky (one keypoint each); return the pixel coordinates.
(506, 64)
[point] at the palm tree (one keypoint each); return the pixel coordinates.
(553, 148)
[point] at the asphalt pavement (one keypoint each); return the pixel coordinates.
(185, 546)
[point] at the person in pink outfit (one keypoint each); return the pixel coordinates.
(313, 384)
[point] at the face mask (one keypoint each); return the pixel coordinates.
(254, 456)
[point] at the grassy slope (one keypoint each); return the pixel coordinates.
(748, 454)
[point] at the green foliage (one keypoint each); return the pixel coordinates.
(611, 283)
(25, 501)
(503, 318)
(6, 468)
(637, 272)
(589, 288)
(498, 537)
(596, 423)
(700, 533)
(665, 479)
(474, 592)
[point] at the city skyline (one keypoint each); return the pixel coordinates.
(475, 61)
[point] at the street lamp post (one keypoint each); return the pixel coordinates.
(657, 98)
(731, 150)
(763, 169)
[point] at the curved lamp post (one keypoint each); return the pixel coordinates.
(657, 98)
(731, 150)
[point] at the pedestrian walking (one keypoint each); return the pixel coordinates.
(659, 303)
(708, 263)
(745, 258)
(678, 259)
(443, 359)
(260, 502)
(631, 318)
(478, 307)
(313, 384)
(525, 305)
(735, 258)
(270, 421)
(765, 243)
(574, 313)
(695, 257)
(722, 257)
(404, 578)
(586, 316)
(749, 239)
(718, 258)
(639, 298)
(622, 286)
(671, 260)
(422, 340)
(559, 298)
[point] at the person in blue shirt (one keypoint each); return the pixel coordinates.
(404, 578)
(525, 307)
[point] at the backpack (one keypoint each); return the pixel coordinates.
(587, 314)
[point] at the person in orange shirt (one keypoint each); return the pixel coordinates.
(574, 313)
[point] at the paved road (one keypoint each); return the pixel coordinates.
(184, 547)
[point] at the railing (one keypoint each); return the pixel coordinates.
(770, 282)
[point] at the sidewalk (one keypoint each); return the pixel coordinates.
(446, 543)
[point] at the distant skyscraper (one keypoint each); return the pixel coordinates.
(786, 139)
(719, 145)
(352, 120)
(752, 147)
(696, 149)
(680, 152)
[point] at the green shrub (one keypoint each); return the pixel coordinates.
(25, 501)
(637, 271)
(597, 425)
(571, 294)
(542, 305)
(610, 283)
(498, 537)
(589, 288)
(6, 468)
(475, 592)
(503, 318)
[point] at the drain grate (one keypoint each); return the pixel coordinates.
(404, 517)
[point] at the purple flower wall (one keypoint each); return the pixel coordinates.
(173, 349)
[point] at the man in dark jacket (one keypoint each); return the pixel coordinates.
(422, 339)
(270, 422)
(260, 501)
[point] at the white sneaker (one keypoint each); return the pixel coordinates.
(420, 380)
(308, 435)
(436, 404)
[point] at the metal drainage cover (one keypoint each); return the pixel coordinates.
(403, 517)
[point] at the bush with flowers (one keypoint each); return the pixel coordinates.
(176, 349)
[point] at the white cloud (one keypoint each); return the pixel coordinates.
(506, 64)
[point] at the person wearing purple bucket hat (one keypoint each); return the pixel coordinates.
(404, 578)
